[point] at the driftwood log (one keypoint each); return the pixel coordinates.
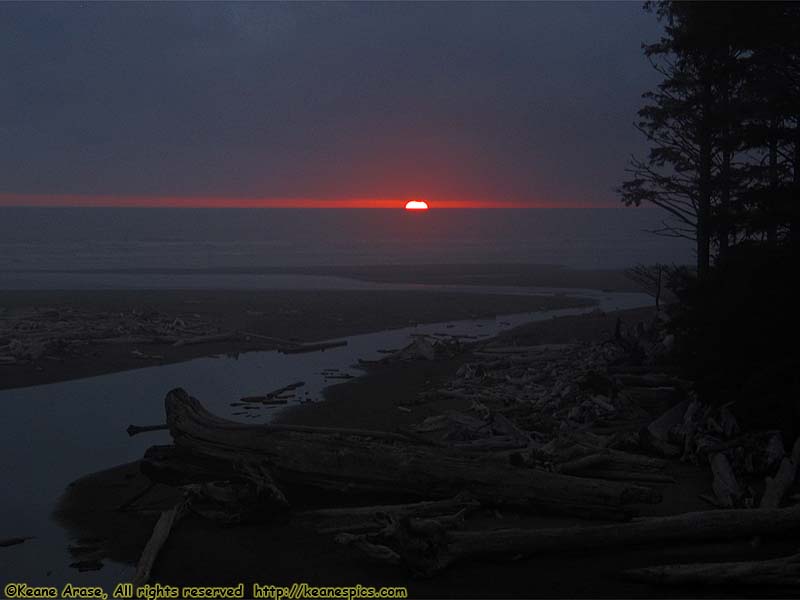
(373, 518)
(784, 571)
(161, 532)
(209, 448)
(725, 485)
(14, 541)
(617, 466)
(426, 550)
(778, 485)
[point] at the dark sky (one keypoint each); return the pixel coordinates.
(523, 102)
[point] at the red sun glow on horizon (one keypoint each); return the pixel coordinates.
(416, 205)
(385, 202)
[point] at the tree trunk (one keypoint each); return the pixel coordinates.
(704, 181)
(210, 448)
(794, 224)
(724, 210)
(769, 209)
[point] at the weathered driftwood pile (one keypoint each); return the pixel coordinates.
(428, 545)
(573, 407)
(574, 429)
(423, 347)
(208, 448)
(33, 335)
(749, 469)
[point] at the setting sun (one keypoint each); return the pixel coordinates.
(416, 205)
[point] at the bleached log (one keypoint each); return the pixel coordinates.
(778, 486)
(137, 429)
(274, 397)
(606, 465)
(279, 342)
(778, 571)
(312, 347)
(652, 380)
(14, 541)
(264, 400)
(725, 485)
(581, 464)
(657, 445)
(429, 554)
(364, 518)
(161, 532)
(257, 498)
(620, 475)
(206, 339)
(353, 461)
(644, 463)
(138, 339)
(416, 509)
(661, 370)
(540, 349)
(501, 425)
(661, 426)
(743, 440)
(492, 443)
(655, 436)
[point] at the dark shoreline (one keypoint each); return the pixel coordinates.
(304, 316)
(499, 274)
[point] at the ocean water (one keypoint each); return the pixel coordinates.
(109, 239)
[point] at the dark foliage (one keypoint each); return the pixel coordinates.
(739, 335)
(724, 164)
(723, 125)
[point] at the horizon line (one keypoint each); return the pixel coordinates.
(142, 201)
